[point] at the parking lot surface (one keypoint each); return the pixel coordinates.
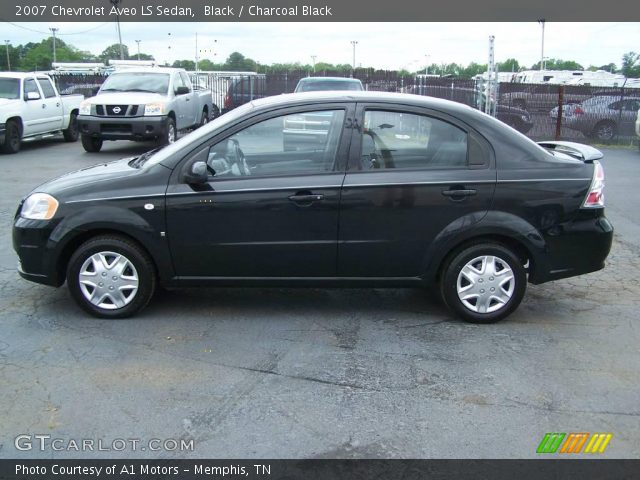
(320, 373)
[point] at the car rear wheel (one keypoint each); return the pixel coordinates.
(604, 131)
(12, 138)
(91, 144)
(483, 283)
(205, 118)
(71, 134)
(111, 277)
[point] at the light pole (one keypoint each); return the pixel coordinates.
(138, 42)
(313, 59)
(115, 3)
(6, 43)
(542, 22)
(53, 31)
(354, 43)
(426, 64)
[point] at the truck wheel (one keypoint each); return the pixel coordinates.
(604, 131)
(170, 133)
(111, 277)
(91, 144)
(205, 118)
(71, 134)
(12, 138)
(483, 283)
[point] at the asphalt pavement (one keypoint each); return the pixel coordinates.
(319, 373)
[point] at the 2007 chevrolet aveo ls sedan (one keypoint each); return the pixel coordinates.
(394, 191)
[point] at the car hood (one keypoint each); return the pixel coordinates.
(126, 98)
(87, 179)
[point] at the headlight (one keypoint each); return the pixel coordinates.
(39, 206)
(154, 109)
(85, 108)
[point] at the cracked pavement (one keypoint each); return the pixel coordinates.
(321, 373)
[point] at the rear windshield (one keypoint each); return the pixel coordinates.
(320, 85)
(137, 82)
(10, 88)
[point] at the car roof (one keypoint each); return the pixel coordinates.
(148, 70)
(329, 79)
(338, 96)
(22, 74)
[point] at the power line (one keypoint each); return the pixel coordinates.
(59, 34)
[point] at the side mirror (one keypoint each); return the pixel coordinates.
(182, 90)
(197, 174)
(32, 96)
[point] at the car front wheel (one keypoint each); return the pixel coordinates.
(483, 283)
(111, 277)
(91, 144)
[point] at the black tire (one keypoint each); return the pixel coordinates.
(142, 263)
(215, 113)
(170, 133)
(71, 134)
(12, 138)
(204, 119)
(604, 131)
(459, 259)
(91, 144)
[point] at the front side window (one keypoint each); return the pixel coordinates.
(393, 140)
(298, 144)
(47, 88)
(30, 86)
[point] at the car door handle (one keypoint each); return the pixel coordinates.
(459, 192)
(305, 198)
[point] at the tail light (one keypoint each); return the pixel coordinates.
(578, 110)
(595, 197)
(228, 101)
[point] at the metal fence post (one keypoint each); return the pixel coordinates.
(559, 119)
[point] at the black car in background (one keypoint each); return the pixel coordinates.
(242, 89)
(405, 191)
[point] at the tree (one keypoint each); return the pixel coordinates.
(112, 52)
(556, 64)
(631, 65)
(236, 62)
(39, 56)
(509, 65)
(186, 64)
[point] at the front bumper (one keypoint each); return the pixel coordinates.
(574, 248)
(122, 128)
(37, 253)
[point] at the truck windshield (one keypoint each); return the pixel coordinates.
(137, 82)
(319, 85)
(10, 88)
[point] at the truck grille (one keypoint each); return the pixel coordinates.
(117, 110)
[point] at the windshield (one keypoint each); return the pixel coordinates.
(324, 85)
(10, 88)
(136, 82)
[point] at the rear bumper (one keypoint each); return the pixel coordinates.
(573, 248)
(125, 128)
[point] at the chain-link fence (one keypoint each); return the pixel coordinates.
(541, 111)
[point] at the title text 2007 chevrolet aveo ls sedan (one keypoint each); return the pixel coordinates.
(381, 190)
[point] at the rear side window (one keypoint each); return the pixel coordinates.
(393, 140)
(47, 88)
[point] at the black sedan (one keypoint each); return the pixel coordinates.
(403, 191)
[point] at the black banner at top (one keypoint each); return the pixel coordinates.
(317, 10)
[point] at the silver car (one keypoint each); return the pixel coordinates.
(601, 117)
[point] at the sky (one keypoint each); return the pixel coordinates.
(381, 45)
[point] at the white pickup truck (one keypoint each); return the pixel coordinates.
(32, 108)
(151, 103)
